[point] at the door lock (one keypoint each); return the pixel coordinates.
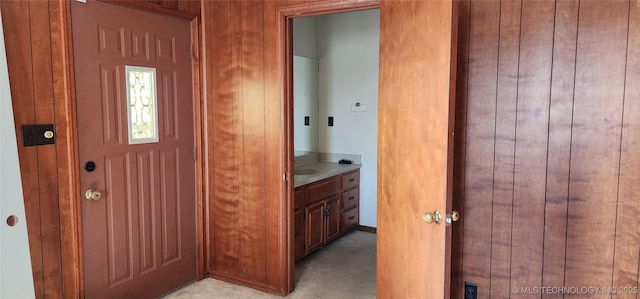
(92, 194)
(455, 216)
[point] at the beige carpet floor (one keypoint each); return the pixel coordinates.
(346, 268)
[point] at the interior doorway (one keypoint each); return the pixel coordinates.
(415, 139)
(335, 100)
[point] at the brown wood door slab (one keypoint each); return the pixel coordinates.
(415, 142)
(139, 236)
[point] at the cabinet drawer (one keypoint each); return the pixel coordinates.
(350, 218)
(350, 198)
(350, 180)
(323, 190)
(298, 201)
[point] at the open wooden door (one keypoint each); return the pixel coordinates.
(415, 140)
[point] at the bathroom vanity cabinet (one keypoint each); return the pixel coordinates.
(325, 210)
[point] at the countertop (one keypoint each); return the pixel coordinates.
(323, 170)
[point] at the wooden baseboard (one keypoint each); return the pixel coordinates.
(368, 229)
(241, 282)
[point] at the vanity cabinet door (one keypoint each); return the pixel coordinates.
(333, 216)
(314, 233)
(298, 232)
(298, 224)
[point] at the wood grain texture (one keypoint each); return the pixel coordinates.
(532, 122)
(504, 152)
(572, 160)
(167, 8)
(480, 144)
(559, 149)
(462, 71)
(413, 73)
(68, 170)
(597, 116)
(253, 130)
(15, 18)
(280, 269)
(627, 227)
(46, 157)
(220, 95)
(29, 57)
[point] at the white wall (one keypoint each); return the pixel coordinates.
(305, 37)
(348, 48)
(16, 280)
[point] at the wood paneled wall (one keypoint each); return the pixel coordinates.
(548, 125)
(548, 122)
(27, 35)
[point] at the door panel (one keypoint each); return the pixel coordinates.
(142, 230)
(417, 76)
(315, 226)
(333, 218)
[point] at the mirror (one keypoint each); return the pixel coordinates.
(305, 106)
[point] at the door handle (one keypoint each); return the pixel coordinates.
(435, 217)
(92, 194)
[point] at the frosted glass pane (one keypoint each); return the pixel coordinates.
(142, 103)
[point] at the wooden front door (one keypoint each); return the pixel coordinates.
(417, 73)
(136, 149)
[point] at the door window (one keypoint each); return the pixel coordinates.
(142, 102)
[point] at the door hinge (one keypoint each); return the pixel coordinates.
(285, 177)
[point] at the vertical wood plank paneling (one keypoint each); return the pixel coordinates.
(457, 231)
(253, 99)
(16, 24)
(479, 164)
(238, 198)
(506, 101)
(221, 96)
(65, 125)
(534, 85)
(595, 149)
(209, 156)
(47, 163)
(560, 118)
(273, 121)
(627, 232)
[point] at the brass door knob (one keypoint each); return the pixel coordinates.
(435, 217)
(92, 194)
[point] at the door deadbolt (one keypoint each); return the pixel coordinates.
(455, 216)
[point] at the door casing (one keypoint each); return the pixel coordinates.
(285, 72)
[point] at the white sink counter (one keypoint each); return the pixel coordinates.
(322, 170)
